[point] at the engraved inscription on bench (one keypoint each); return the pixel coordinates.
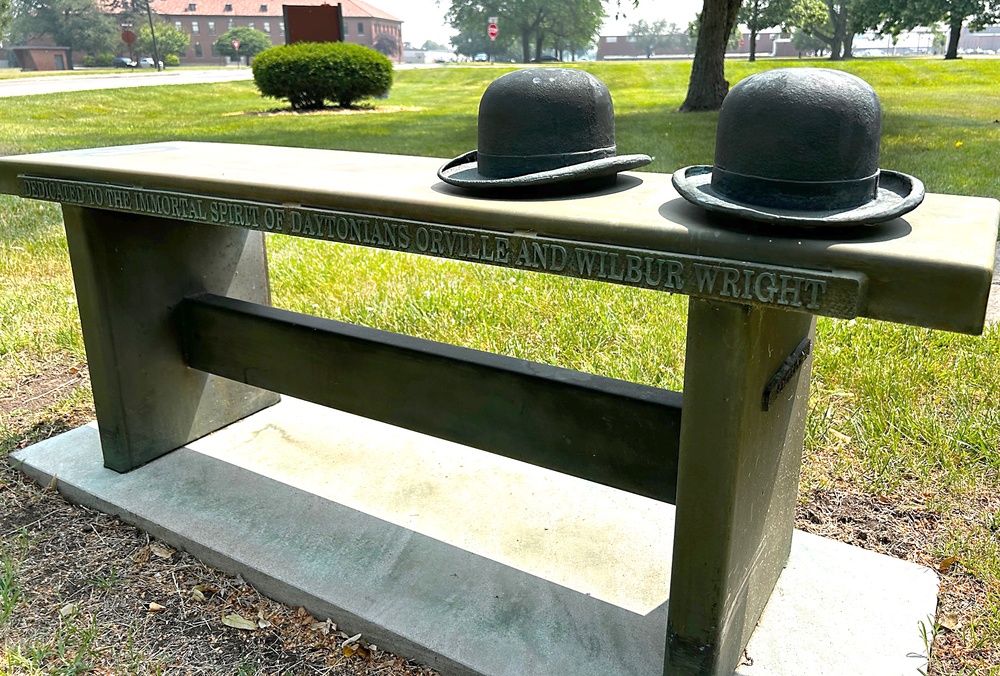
(834, 294)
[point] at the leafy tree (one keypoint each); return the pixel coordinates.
(475, 41)
(387, 44)
(760, 14)
(77, 24)
(252, 42)
(826, 21)
(532, 22)
(431, 46)
(648, 36)
(169, 40)
(6, 14)
(572, 25)
(804, 42)
(954, 14)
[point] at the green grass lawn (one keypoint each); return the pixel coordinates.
(908, 415)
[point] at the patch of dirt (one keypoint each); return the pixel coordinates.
(118, 598)
(373, 110)
(903, 528)
(102, 597)
(40, 390)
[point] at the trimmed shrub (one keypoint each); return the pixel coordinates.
(105, 60)
(89, 61)
(171, 60)
(309, 73)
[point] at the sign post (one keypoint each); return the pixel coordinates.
(492, 31)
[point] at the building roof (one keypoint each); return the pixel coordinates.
(352, 9)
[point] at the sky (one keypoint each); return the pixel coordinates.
(424, 19)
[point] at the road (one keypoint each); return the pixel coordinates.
(53, 84)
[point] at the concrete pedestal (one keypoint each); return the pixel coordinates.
(473, 563)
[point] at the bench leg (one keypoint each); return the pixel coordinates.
(130, 273)
(737, 479)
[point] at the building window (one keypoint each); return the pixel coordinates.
(263, 8)
(177, 25)
(250, 25)
(192, 7)
(631, 38)
(195, 28)
(211, 28)
(227, 8)
(215, 50)
(361, 28)
(281, 27)
(267, 27)
(197, 50)
(611, 39)
(231, 25)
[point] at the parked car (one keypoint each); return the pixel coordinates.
(122, 62)
(147, 62)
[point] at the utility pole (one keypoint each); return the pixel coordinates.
(152, 32)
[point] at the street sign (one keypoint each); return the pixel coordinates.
(492, 31)
(236, 45)
(128, 37)
(493, 19)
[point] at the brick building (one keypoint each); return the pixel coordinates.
(206, 20)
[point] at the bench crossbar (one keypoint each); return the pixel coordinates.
(610, 431)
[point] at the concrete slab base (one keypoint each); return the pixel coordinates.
(472, 563)
(993, 305)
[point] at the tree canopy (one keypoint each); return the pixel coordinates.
(760, 14)
(252, 42)
(890, 17)
(6, 14)
(387, 44)
(535, 24)
(169, 40)
(650, 37)
(78, 24)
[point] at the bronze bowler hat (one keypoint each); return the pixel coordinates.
(541, 126)
(799, 147)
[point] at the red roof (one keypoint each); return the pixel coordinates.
(352, 9)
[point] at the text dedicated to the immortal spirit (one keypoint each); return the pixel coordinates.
(817, 292)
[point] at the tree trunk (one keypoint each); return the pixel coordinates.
(753, 45)
(954, 33)
(849, 45)
(539, 39)
(839, 21)
(526, 45)
(708, 86)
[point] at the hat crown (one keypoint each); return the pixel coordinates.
(539, 119)
(799, 138)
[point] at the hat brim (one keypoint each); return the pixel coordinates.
(463, 171)
(898, 194)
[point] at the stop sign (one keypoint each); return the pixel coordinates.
(236, 45)
(492, 31)
(128, 37)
